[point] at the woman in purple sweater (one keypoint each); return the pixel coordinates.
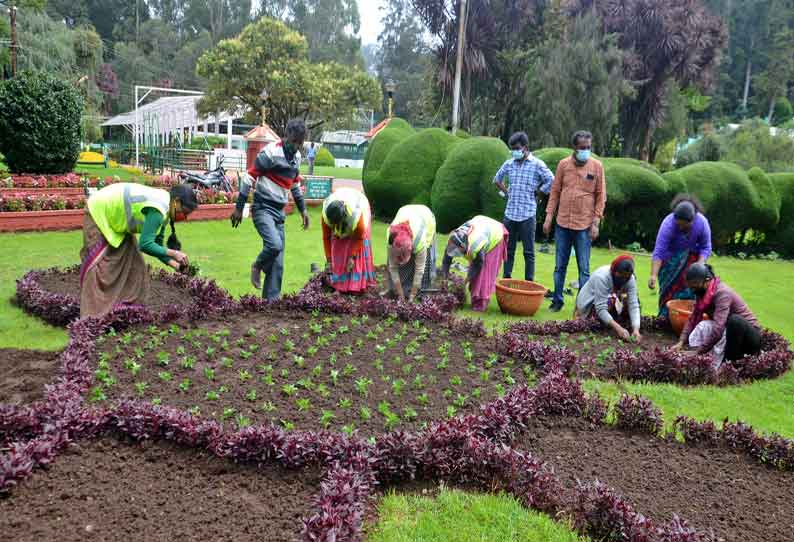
(684, 238)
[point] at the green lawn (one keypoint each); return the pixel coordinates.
(225, 254)
(471, 517)
(338, 172)
(102, 171)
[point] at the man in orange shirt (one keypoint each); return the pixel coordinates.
(578, 196)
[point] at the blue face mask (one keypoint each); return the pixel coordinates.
(518, 155)
(582, 156)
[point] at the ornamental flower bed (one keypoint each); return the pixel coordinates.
(19, 202)
(54, 295)
(479, 449)
(590, 350)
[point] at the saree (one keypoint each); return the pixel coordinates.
(672, 280)
(483, 285)
(362, 275)
(407, 270)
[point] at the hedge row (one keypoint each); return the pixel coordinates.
(454, 177)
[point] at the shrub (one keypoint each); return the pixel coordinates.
(637, 198)
(463, 134)
(726, 193)
(783, 238)
(459, 191)
(766, 214)
(636, 413)
(39, 123)
(381, 144)
(551, 156)
(324, 158)
(710, 148)
(409, 170)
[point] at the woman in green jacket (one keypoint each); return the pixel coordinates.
(113, 271)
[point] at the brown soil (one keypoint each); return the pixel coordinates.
(382, 285)
(108, 490)
(160, 293)
(25, 373)
(712, 488)
(594, 349)
(408, 376)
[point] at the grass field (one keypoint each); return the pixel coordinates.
(338, 172)
(225, 255)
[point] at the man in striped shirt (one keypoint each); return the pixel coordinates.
(526, 175)
(273, 176)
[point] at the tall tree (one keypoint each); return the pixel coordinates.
(331, 29)
(269, 56)
(403, 57)
(665, 40)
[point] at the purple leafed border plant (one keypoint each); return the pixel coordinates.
(60, 310)
(774, 360)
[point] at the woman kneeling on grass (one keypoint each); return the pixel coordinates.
(611, 295)
(411, 259)
(113, 271)
(347, 230)
(483, 242)
(732, 330)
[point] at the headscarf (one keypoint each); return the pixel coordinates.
(458, 243)
(685, 211)
(400, 243)
(622, 264)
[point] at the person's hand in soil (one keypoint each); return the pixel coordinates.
(305, 219)
(236, 218)
(412, 295)
(652, 282)
(636, 336)
(178, 256)
(677, 347)
(175, 265)
(622, 333)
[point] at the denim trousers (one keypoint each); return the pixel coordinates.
(269, 223)
(564, 240)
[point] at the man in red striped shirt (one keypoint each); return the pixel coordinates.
(274, 175)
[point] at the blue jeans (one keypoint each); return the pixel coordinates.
(564, 239)
(523, 231)
(269, 223)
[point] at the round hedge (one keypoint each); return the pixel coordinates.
(637, 199)
(407, 174)
(381, 144)
(464, 179)
(39, 123)
(783, 238)
(766, 214)
(726, 193)
(324, 158)
(551, 156)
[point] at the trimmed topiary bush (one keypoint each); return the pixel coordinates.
(637, 200)
(39, 123)
(381, 144)
(766, 214)
(551, 156)
(782, 112)
(726, 193)
(491, 203)
(458, 189)
(407, 174)
(783, 238)
(324, 158)
(463, 134)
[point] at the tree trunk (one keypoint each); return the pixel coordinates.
(771, 108)
(748, 74)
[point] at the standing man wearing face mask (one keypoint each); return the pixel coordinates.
(273, 177)
(578, 197)
(526, 175)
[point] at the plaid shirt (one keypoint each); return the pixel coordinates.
(526, 177)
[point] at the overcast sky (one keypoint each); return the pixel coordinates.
(370, 20)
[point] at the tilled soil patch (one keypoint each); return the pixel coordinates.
(109, 490)
(25, 373)
(712, 488)
(307, 371)
(161, 294)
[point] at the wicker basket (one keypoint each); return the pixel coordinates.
(519, 297)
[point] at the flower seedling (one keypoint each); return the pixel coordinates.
(299, 361)
(476, 393)
(362, 386)
(194, 411)
(244, 375)
(303, 404)
(419, 382)
(397, 386)
(267, 406)
(251, 395)
(349, 429)
(491, 361)
(184, 385)
(345, 403)
(326, 418)
(165, 376)
(251, 332)
(163, 358)
(284, 331)
(455, 381)
(323, 391)
(451, 411)
(289, 390)
(97, 395)
(334, 376)
(209, 373)
(460, 400)
(212, 395)
(288, 426)
(241, 421)
(140, 388)
(348, 370)
(289, 346)
(365, 413)
(180, 351)
(485, 375)
(157, 401)
(228, 412)
(410, 414)
(227, 362)
(447, 393)
(500, 390)
(245, 354)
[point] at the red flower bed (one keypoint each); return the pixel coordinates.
(18, 202)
